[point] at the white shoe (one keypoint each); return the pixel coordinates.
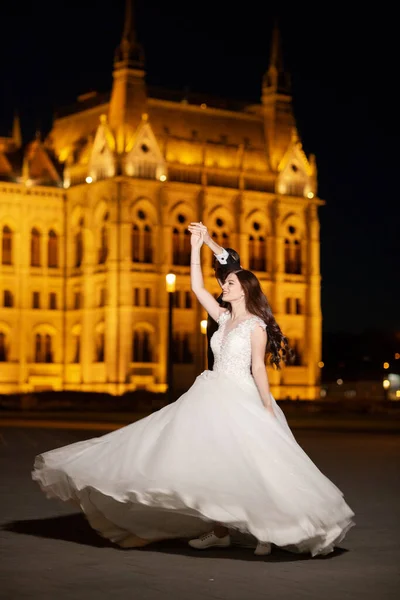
(263, 548)
(209, 540)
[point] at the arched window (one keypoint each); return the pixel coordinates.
(48, 349)
(102, 297)
(103, 246)
(175, 246)
(147, 245)
(3, 347)
(182, 349)
(257, 248)
(220, 233)
(297, 257)
(142, 346)
(142, 238)
(38, 348)
(181, 247)
(292, 251)
(52, 250)
(35, 247)
(100, 346)
(297, 359)
(6, 243)
(77, 348)
(79, 244)
(135, 243)
(8, 299)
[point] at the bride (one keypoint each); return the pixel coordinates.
(221, 458)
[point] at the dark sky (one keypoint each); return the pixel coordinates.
(344, 73)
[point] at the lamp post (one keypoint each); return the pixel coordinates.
(386, 382)
(170, 280)
(203, 329)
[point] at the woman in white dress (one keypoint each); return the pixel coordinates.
(220, 458)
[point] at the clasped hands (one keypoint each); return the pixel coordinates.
(199, 233)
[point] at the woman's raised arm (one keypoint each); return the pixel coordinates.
(206, 299)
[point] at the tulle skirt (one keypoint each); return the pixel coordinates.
(213, 456)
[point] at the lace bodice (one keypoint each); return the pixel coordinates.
(232, 351)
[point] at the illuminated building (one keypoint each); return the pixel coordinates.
(93, 217)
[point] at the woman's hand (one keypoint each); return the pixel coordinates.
(196, 239)
(202, 229)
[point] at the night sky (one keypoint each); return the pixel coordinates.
(344, 73)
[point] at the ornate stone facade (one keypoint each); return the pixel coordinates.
(94, 217)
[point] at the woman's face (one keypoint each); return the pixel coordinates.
(232, 290)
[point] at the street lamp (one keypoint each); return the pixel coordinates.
(203, 329)
(386, 388)
(170, 280)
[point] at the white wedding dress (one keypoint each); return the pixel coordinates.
(214, 455)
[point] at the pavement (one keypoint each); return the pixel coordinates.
(48, 551)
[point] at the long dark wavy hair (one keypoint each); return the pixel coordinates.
(278, 349)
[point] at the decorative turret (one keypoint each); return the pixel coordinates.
(128, 96)
(16, 132)
(277, 104)
(276, 79)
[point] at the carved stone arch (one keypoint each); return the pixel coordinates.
(100, 327)
(55, 226)
(5, 328)
(145, 325)
(100, 210)
(77, 214)
(8, 221)
(76, 329)
(292, 219)
(184, 208)
(143, 342)
(34, 223)
(45, 328)
(148, 207)
(292, 231)
(257, 228)
(221, 225)
(179, 216)
(221, 211)
(257, 215)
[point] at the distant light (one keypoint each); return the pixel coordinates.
(66, 184)
(386, 384)
(321, 364)
(89, 179)
(386, 365)
(203, 326)
(310, 195)
(203, 105)
(163, 178)
(170, 280)
(397, 356)
(323, 393)
(397, 393)
(339, 381)
(28, 182)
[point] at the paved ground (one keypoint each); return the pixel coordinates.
(47, 551)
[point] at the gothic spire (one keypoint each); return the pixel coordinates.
(16, 131)
(128, 95)
(276, 78)
(129, 53)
